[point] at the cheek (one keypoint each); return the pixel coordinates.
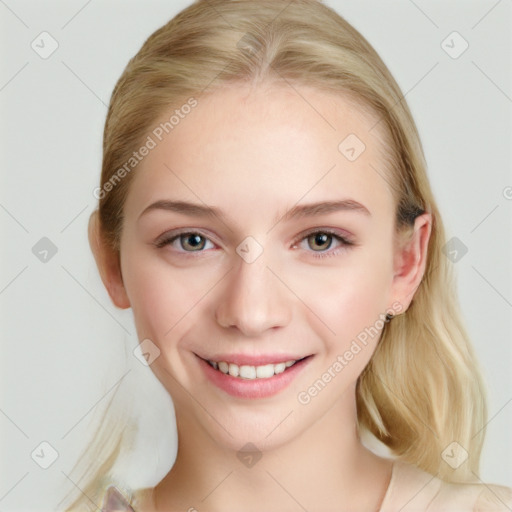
(348, 298)
(162, 298)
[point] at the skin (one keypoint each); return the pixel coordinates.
(254, 152)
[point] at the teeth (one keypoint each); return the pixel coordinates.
(264, 372)
(234, 370)
(251, 372)
(248, 372)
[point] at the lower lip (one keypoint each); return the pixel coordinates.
(252, 388)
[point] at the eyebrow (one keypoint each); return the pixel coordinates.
(298, 211)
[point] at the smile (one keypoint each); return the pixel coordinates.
(252, 372)
(253, 381)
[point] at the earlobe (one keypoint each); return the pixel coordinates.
(107, 261)
(411, 260)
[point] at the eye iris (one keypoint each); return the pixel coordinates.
(323, 240)
(193, 241)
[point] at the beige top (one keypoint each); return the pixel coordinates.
(410, 490)
(413, 490)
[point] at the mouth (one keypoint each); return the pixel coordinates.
(253, 372)
(262, 379)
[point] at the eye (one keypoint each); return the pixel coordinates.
(186, 242)
(323, 242)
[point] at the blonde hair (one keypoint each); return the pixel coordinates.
(422, 389)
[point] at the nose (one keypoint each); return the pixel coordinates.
(253, 299)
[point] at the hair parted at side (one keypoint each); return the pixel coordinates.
(422, 389)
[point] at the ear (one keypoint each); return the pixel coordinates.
(108, 262)
(410, 261)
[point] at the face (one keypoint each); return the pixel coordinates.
(250, 238)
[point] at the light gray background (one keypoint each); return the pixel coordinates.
(66, 349)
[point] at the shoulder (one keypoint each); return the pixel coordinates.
(143, 500)
(494, 498)
(414, 490)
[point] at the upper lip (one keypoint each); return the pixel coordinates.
(253, 360)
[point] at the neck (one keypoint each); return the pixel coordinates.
(324, 468)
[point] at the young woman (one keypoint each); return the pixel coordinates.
(265, 211)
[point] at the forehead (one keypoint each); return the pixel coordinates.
(267, 145)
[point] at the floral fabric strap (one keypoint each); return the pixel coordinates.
(114, 501)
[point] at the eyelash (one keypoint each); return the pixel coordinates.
(345, 242)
